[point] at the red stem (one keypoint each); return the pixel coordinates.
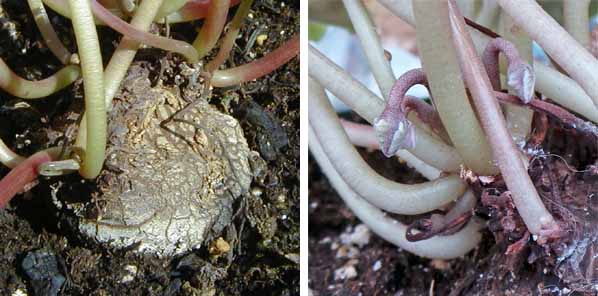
(23, 174)
(198, 9)
(258, 68)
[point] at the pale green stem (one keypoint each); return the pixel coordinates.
(122, 58)
(93, 82)
(448, 91)
(428, 148)
(45, 27)
(519, 118)
(169, 7)
(577, 21)
(231, 35)
(383, 193)
(62, 8)
(25, 89)
(371, 45)
(550, 82)
(212, 27)
(562, 47)
(489, 13)
(8, 157)
(441, 247)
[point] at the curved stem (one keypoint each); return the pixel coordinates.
(45, 27)
(212, 27)
(526, 199)
(169, 7)
(550, 82)
(62, 8)
(131, 32)
(427, 147)
(447, 88)
(381, 192)
(8, 157)
(363, 135)
(25, 89)
(441, 247)
(576, 18)
(258, 68)
(229, 39)
(93, 82)
(566, 51)
(371, 45)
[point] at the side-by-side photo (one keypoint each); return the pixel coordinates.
(453, 147)
(149, 147)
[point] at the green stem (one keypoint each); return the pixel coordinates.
(212, 27)
(93, 154)
(25, 89)
(45, 27)
(229, 39)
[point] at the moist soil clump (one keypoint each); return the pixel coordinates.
(255, 250)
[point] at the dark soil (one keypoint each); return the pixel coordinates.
(566, 179)
(265, 233)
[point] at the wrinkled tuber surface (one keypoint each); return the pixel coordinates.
(169, 182)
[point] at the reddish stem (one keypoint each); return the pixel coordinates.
(23, 174)
(198, 9)
(258, 68)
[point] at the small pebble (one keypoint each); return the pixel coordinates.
(345, 273)
(260, 39)
(377, 265)
(359, 236)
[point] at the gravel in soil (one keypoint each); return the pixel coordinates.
(255, 254)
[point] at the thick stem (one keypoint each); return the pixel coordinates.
(229, 39)
(576, 19)
(566, 51)
(550, 82)
(93, 82)
(427, 147)
(519, 119)
(127, 48)
(436, 48)
(192, 10)
(526, 199)
(212, 27)
(169, 7)
(441, 247)
(489, 13)
(62, 8)
(8, 157)
(381, 192)
(140, 36)
(370, 43)
(25, 89)
(258, 68)
(45, 27)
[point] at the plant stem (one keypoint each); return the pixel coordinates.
(169, 7)
(370, 43)
(125, 52)
(519, 119)
(441, 247)
(192, 10)
(566, 51)
(229, 39)
(45, 27)
(363, 135)
(62, 8)
(8, 157)
(428, 148)
(526, 199)
(212, 27)
(576, 20)
(258, 68)
(436, 48)
(550, 82)
(91, 65)
(25, 89)
(131, 32)
(24, 173)
(381, 192)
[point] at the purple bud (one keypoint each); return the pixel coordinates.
(522, 78)
(394, 133)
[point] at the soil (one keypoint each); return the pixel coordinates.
(43, 253)
(564, 169)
